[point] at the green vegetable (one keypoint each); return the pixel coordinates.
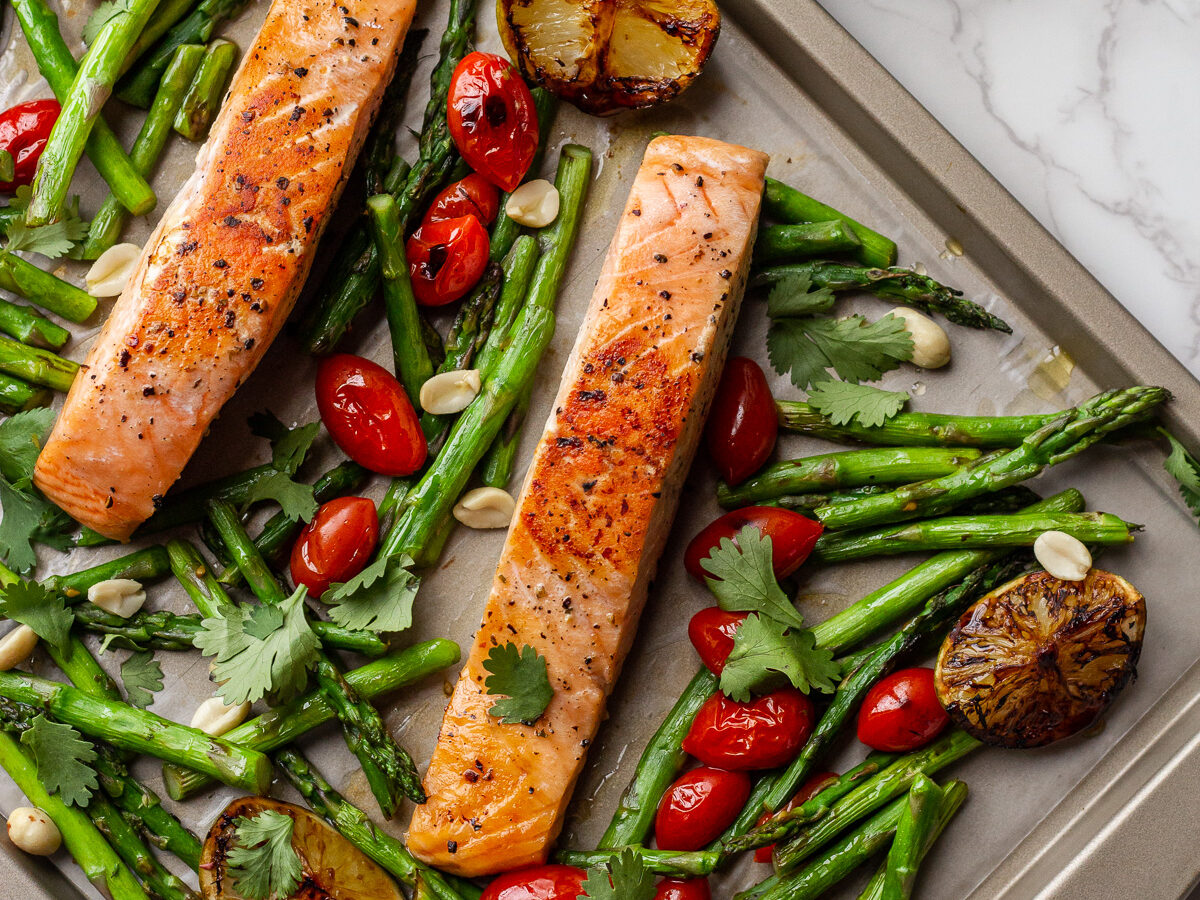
(856, 350)
(21, 396)
(918, 819)
(36, 365)
(203, 99)
(262, 861)
(8, 169)
(45, 612)
(27, 326)
(1183, 467)
(52, 240)
(778, 243)
(45, 290)
(843, 402)
(795, 295)
(742, 578)
(673, 863)
(764, 650)
(142, 676)
(623, 877)
(63, 760)
(789, 205)
(519, 675)
(379, 598)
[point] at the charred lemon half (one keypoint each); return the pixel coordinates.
(609, 55)
(332, 866)
(1039, 658)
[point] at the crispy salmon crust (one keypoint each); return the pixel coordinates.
(597, 503)
(223, 268)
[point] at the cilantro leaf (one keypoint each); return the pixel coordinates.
(743, 579)
(379, 598)
(764, 650)
(22, 517)
(520, 676)
(842, 403)
(289, 447)
(263, 620)
(855, 349)
(296, 499)
(42, 610)
(104, 14)
(62, 757)
(142, 677)
(793, 295)
(262, 861)
(1183, 467)
(52, 240)
(21, 439)
(251, 666)
(623, 877)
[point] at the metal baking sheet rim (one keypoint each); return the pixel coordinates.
(1129, 825)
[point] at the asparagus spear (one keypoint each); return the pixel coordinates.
(203, 99)
(849, 468)
(904, 285)
(379, 151)
(28, 327)
(83, 840)
(804, 241)
(516, 274)
(166, 14)
(36, 366)
(58, 67)
(47, 291)
(142, 565)
(8, 166)
(918, 818)
(81, 106)
(672, 863)
(1073, 431)
(17, 395)
(789, 205)
(148, 146)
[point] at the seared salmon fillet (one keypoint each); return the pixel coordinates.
(597, 503)
(223, 268)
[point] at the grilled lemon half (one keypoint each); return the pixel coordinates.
(608, 55)
(333, 867)
(1039, 658)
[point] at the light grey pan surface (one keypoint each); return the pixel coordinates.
(1106, 815)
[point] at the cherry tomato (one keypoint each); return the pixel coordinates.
(537, 883)
(674, 889)
(24, 130)
(473, 196)
(698, 807)
(762, 734)
(446, 258)
(492, 119)
(742, 426)
(711, 632)
(336, 544)
(369, 416)
(807, 791)
(792, 535)
(901, 712)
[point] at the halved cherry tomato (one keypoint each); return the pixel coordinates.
(742, 426)
(674, 889)
(807, 791)
(762, 734)
(492, 119)
(24, 130)
(792, 535)
(698, 806)
(446, 258)
(473, 196)
(369, 416)
(711, 632)
(901, 712)
(336, 544)
(537, 883)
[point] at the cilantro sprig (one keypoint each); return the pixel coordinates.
(520, 677)
(794, 295)
(741, 575)
(843, 403)
(262, 861)
(42, 610)
(379, 598)
(28, 517)
(1184, 468)
(63, 760)
(623, 877)
(143, 678)
(857, 350)
(52, 240)
(289, 447)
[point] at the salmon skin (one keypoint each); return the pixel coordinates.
(597, 503)
(223, 268)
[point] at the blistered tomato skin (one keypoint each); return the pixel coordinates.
(537, 883)
(446, 259)
(24, 130)
(369, 415)
(675, 889)
(902, 712)
(711, 632)
(743, 426)
(792, 535)
(762, 734)
(336, 545)
(807, 791)
(698, 806)
(472, 196)
(493, 121)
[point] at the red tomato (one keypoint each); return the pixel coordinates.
(674, 889)
(369, 416)
(742, 426)
(473, 196)
(698, 807)
(762, 734)
(792, 535)
(492, 119)
(336, 544)
(446, 258)
(711, 632)
(24, 130)
(807, 791)
(901, 712)
(537, 883)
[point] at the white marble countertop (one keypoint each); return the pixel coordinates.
(1089, 113)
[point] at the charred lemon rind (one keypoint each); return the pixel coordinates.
(1040, 659)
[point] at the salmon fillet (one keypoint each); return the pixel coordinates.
(597, 503)
(223, 268)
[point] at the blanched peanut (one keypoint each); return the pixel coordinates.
(31, 830)
(535, 203)
(931, 345)
(119, 596)
(450, 392)
(16, 647)
(1062, 556)
(485, 507)
(214, 718)
(110, 272)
